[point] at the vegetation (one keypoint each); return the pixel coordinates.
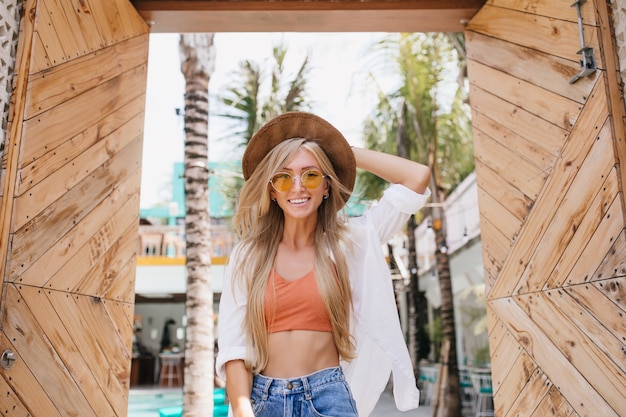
(424, 118)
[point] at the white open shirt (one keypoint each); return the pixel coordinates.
(380, 344)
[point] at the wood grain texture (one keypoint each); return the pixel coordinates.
(74, 167)
(557, 301)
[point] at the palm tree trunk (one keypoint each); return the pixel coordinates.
(417, 315)
(197, 66)
(419, 343)
(453, 397)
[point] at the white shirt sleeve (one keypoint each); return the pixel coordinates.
(396, 198)
(232, 313)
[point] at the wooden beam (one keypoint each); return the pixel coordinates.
(311, 16)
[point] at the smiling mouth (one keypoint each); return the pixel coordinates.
(299, 200)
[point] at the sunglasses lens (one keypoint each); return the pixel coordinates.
(282, 182)
(311, 179)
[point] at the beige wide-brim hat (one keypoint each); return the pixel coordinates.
(308, 126)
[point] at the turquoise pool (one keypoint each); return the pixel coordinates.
(157, 403)
(146, 403)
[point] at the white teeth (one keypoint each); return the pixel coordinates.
(299, 200)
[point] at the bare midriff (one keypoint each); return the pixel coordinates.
(295, 353)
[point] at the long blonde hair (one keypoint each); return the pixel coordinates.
(260, 223)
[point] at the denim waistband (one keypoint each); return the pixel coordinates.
(300, 384)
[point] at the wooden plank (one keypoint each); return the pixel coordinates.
(64, 82)
(44, 26)
(614, 290)
(310, 16)
(557, 9)
(55, 185)
(489, 280)
(497, 332)
(590, 246)
(67, 24)
(77, 265)
(39, 55)
(11, 401)
(23, 381)
(553, 404)
(105, 14)
(84, 20)
(552, 36)
(513, 142)
(528, 394)
(92, 341)
(509, 362)
(554, 313)
(540, 133)
(44, 231)
(614, 264)
(498, 214)
(520, 173)
(601, 321)
(545, 104)
(615, 88)
(10, 160)
(37, 170)
(46, 266)
(573, 155)
(546, 71)
(551, 360)
(495, 248)
(122, 315)
(117, 348)
(511, 384)
(73, 45)
(561, 228)
(54, 127)
(136, 23)
(63, 172)
(108, 267)
(516, 202)
(124, 17)
(25, 332)
(54, 329)
(122, 289)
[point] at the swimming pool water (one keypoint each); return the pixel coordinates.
(147, 404)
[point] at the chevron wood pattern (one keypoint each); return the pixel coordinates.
(551, 197)
(73, 176)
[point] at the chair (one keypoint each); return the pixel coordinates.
(150, 244)
(171, 373)
(483, 392)
(173, 246)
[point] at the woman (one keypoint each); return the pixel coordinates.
(308, 321)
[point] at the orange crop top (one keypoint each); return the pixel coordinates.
(295, 305)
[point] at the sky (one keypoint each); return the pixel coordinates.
(336, 84)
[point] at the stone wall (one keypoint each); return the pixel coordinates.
(619, 23)
(9, 24)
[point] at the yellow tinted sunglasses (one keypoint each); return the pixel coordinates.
(283, 181)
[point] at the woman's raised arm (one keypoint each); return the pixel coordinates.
(393, 169)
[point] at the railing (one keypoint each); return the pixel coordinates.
(169, 241)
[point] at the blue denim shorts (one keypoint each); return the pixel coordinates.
(322, 394)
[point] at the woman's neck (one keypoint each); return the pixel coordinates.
(298, 235)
